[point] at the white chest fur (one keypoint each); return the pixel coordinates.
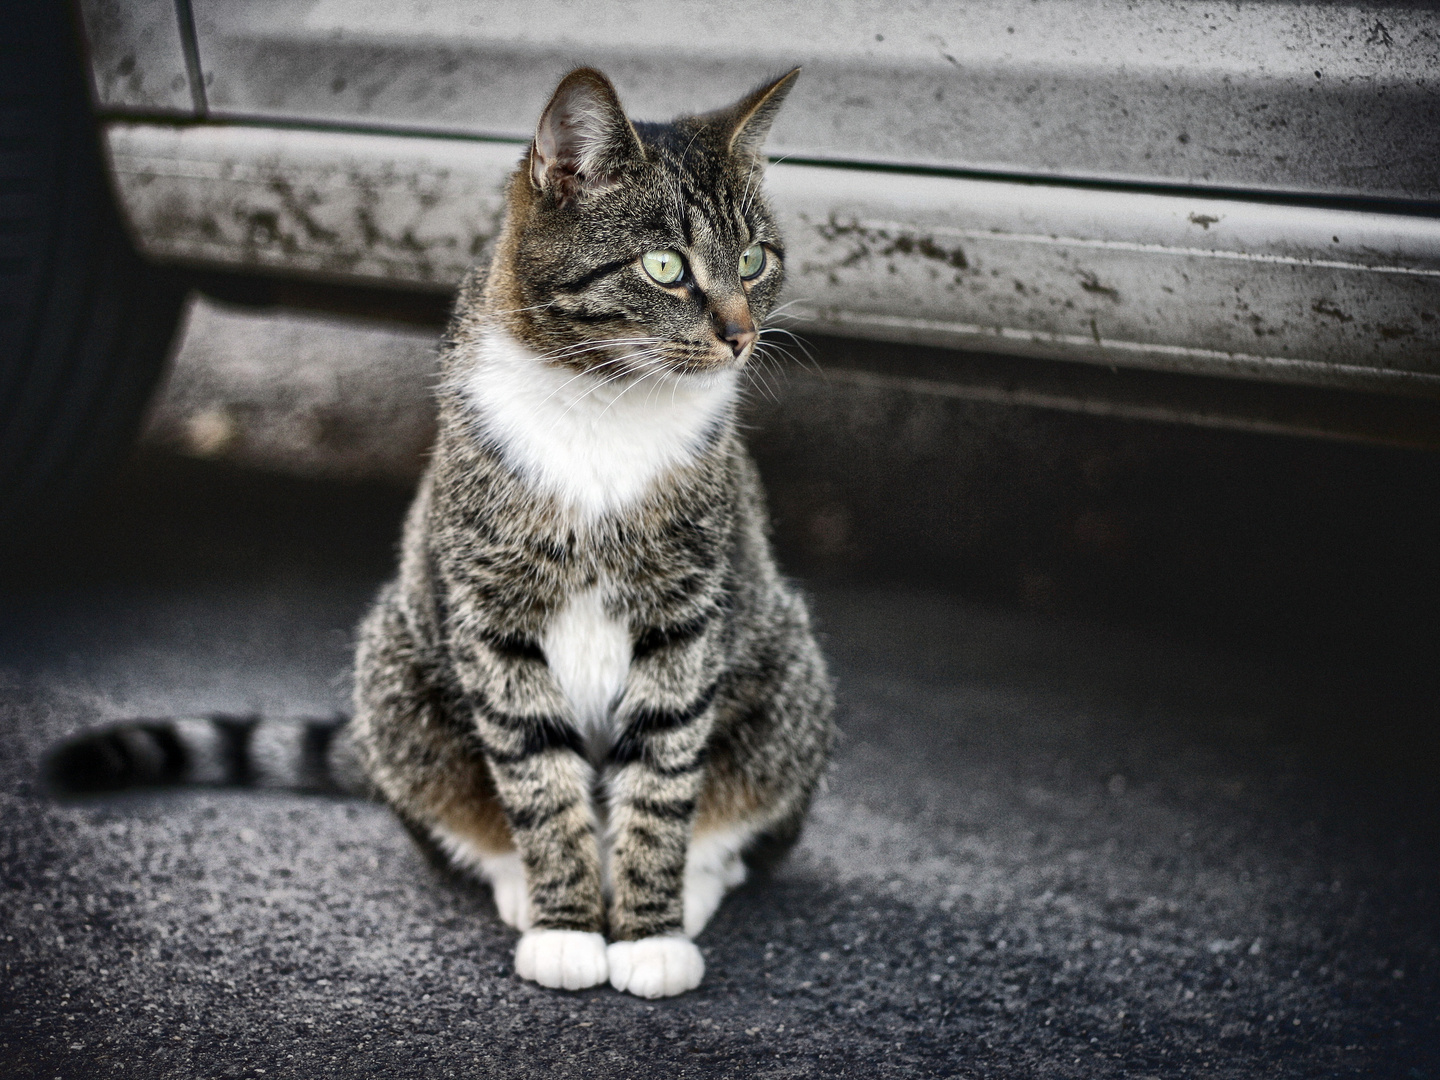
(588, 651)
(596, 445)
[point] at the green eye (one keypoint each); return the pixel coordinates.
(664, 266)
(752, 261)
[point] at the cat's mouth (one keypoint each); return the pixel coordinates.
(703, 374)
(693, 361)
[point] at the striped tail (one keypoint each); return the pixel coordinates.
(213, 751)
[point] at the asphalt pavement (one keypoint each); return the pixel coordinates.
(1047, 848)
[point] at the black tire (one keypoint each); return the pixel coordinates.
(85, 323)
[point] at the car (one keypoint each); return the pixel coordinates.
(1245, 197)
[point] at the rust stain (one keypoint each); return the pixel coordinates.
(881, 243)
(1257, 324)
(263, 228)
(1091, 284)
(368, 228)
(297, 209)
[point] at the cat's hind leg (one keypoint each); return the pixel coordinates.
(767, 754)
(503, 872)
(713, 866)
(437, 782)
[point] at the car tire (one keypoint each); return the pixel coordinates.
(85, 323)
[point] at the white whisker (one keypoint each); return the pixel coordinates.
(793, 314)
(795, 339)
(580, 348)
(581, 375)
(757, 378)
(639, 362)
(745, 196)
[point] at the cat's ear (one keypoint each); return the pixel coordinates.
(746, 123)
(584, 140)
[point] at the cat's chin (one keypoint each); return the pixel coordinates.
(708, 378)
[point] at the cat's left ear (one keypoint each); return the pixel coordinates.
(584, 141)
(747, 122)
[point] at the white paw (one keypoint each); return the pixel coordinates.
(562, 959)
(655, 967)
(506, 875)
(712, 868)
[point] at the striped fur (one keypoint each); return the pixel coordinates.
(217, 750)
(589, 683)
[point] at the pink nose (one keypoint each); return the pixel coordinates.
(739, 337)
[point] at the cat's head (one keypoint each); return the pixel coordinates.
(635, 248)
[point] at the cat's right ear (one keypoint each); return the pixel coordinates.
(747, 122)
(584, 140)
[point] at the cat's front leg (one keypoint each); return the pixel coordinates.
(543, 784)
(544, 787)
(657, 774)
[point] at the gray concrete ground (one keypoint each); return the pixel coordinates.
(1046, 849)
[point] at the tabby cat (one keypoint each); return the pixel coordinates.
(588, 684)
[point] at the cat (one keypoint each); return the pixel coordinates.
(588, 683)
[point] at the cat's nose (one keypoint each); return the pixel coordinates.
(739, 336)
